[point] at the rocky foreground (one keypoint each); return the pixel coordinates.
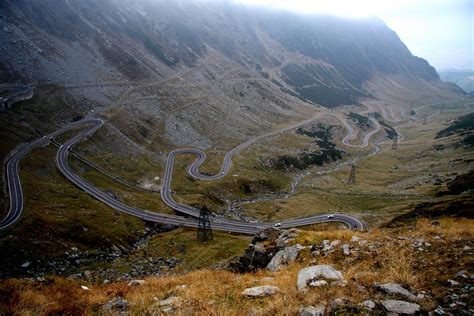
(413, 270)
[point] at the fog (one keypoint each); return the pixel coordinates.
(440, 31)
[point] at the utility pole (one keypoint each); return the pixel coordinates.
(352, 175)
(395, 142)
(204, 232)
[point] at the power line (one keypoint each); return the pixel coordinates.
(204, 232)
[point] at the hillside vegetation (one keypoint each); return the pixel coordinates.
(427, 258)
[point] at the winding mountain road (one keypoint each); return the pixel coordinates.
(218, 223)
(16, 93)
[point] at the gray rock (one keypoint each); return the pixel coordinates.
(369, 304)
(277, 262)
(339, 283)
(261, 291)
(291, 253)
(395, 289)
(355, 239)
(318, 283)
(285, 256)
(171, 302)
(318, 272)
(453, 283)
(317, 310)
(345, 249)
(439, 311)
(400, 307)
(136, 282)
(269, 233)
(117, 304)
(326, 245)
(358, 240)
(461, 274)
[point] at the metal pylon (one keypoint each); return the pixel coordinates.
(395, 142)
(204, 232)
(352, 175)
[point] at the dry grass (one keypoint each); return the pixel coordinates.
(385, 258)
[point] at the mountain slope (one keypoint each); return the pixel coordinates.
(172, 74)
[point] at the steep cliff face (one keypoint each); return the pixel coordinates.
(246, 68)
(135, 36)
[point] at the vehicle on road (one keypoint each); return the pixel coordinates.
(330, 216)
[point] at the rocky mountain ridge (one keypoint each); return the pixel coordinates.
(160, 69)
(88, 42)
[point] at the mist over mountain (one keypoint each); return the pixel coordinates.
(464, 78)
(320, 59)
(207, 157)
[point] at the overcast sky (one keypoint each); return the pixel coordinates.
(441, 31)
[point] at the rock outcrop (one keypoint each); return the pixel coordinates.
(317, 310)
(395, 289)
(316, 274)
(283, 257)
(261, 291)
(269, 249)
(400, 307)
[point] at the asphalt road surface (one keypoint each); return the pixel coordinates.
(218, 223)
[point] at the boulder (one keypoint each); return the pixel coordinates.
(358, 240)
(260, 253)
(172, 300)
(339, 283)
(261, 291)
(345, 249)
(255, 257)
(395, 289)
(400, 307)
(117, 304)
(285, 238)
(283, 257)
(355, 239)
(291, 253)
(170, 304)
(26, 264)
(317, 310)
(327, 245)
(453, 283)
(315, 273)
(136, 282)
(269, 233)
(368, 304)
(318, 283)
(277, 261)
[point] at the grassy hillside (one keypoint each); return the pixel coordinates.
(389, 255)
